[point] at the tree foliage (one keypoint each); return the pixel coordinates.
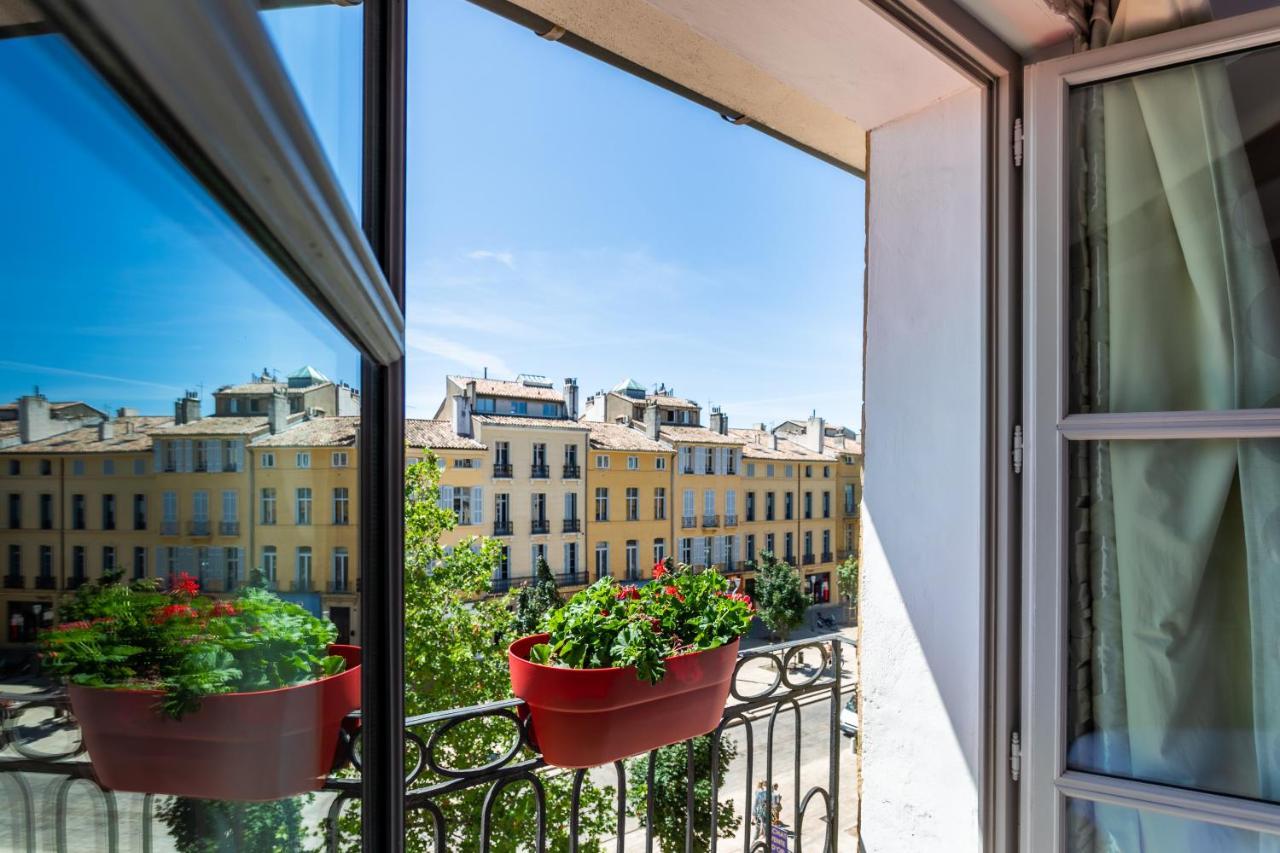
(670, 804)
(213, 826)
(533, 602)
(847, 580)
(779, 595)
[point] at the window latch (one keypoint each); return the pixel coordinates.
(1017, 449)
(1015, 756)
(1018, 140)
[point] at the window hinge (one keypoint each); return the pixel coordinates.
(1015, 756)
(1017, 142)
(1017, 449)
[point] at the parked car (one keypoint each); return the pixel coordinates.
(849, 721)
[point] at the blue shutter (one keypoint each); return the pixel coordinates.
(156, 455)
(477, 505)
(446, 497)
(215, 455)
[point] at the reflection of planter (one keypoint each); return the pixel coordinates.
(238, 746)
(586, 717)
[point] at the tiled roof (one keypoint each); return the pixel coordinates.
(696, 435)
(506, 388)
(531, 422)
(606, 436)
(220, 426)
(251, 388)
(437, 435)
(85, 439)
(667, 401)
(317, 432)
(759, 445)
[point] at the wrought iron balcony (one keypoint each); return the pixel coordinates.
(502, 528)
(14, 581)
(502, 472)
(827, 556)
(539, 472)
(198, 528)
(339, 586)
(540, 526)
(730, 521)
(76, 581)
(689, 521)
(501, 585)
(574, 579)
(687, 469)
(808, 559)
(572, 525)
(302, 585)
(46, 582)
(710, 521)
(572, 472)
(168, 528)
(803, 702)
(229, 528)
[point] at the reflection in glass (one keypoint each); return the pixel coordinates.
(1174, 618)
(1175, 234)
(154, 361)
(1116, 829)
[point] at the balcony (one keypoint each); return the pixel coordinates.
(502, 472)
(572, 525)
(46, 582)
(540, 526)
(14, 581)
(687, 469)
(75, 582)
(689, 521)
(730, 521)
(502, 528)
(539, 472)
(572, 472)
(710, 521)
(168, 528)
(501, 585)
(339, 587)
(302, 585)
(574, 579)
(809, 559)
(827, 556)
(228, 528)
(199, 528)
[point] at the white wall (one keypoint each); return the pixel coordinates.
(922, 511)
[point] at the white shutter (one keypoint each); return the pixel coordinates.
(156, 455)
(477, 505)
(237, 452)
(699, 460)
(699, 551)
(188, 456)
(688, 502)
(730, 502)
(214, 451)
(446, 497)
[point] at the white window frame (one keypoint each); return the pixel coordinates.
(1046, 783)
(633, 463)
(303, 459)
(602, 461)
(266, 460)
(339, 459)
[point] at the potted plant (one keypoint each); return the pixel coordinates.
(178, 694)
(625, 669)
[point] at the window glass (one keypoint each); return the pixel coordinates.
(1107, 827)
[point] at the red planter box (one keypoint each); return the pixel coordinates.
(258, 746)
(588, 717)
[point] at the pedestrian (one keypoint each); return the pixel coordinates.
(760, 808)
(777, 804)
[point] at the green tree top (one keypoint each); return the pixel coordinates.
(779, 595)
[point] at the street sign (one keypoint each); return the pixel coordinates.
(778, 839)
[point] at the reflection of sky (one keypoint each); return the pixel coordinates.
(568, 219)
(123, 283)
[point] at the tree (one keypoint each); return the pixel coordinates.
(455, 655)
(670, 804)
(533, 601)
(779, 595)
(214, 826)
(847, 580)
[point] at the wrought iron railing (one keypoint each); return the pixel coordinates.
(539, 472)
(502, 471)
(572, 525)
(572, 472)
(502, 527)
(42, 761)
(14, 581)
(198, 528)
(540, 526)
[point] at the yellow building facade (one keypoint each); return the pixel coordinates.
(630, 520)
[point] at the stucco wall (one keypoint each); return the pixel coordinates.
(921, 570)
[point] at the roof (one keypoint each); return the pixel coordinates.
(437, 435)
(220, 426)
(251, 388)
(85, 439)
(317, 432)
(529, 421)
(696, 435)
(310, 373)
(628, 384)
(841, 444)
(671, 402)
(507, 388)
(759, 445)
(607, 436)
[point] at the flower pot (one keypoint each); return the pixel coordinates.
(588, 717)
(264, 745)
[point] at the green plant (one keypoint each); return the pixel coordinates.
(847, 580)
(670, 806)
(214, 826)
(608, 625)
(780, 597)
(136, 637)
(532, 602)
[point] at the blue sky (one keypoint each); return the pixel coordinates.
(564, 219)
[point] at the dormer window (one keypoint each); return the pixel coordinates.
(519, 407)
(484, 405)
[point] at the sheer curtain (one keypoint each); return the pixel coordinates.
(1175, 646)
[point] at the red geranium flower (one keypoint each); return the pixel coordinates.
(186, 585)
(223, 608)
(671, 590)
(659, 569)
(171, 611)
(626, 592)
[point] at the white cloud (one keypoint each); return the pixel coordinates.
(507, 259)
(460, 354)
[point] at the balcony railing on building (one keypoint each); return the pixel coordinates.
(730, 521)
(14, 581)
(45, 582)
(689, 521)
(500, 585)
(502, 527)
(302, 585)
(710, 521)
(228, 528)
(198, 528)
(76, 581)
(502, 472)
(540, 526)
(572, 472)
(827, 556)
(801, 703)
(168, 528)
(574, 579)
(339, 585)
(539, 472)
(572, 525)
(809, 559)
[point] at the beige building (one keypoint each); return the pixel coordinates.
(630, 514)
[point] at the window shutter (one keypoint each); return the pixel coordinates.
(699, 552)
(188, 456)
(215, 455)
(446, 497)
(156, 455)
(477, 505)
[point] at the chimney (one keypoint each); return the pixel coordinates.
(471, 394)
(278, 411)
(35, 421)
(186, 409)
(462, 414)
(126, 412)
(815, 434)
(571, 398)
(651, 421)
(773, 441)
(719, 421)
(105, 430)
(760, 427)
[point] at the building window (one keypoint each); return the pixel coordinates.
(303, 459)
(46, 511)
(139, 512)
(46, 561)
(268, 505)
(339, 459)
(808, 543)
(686, 550)
(501, 509)
(788, 471)
(340, 562)
(790, 546)
(685, 460)
(538, 507)
(602, 503)
(139, 562)
(602, 461)
(826, 472)
(201, 459)
(751, 469)
(849, 502)
(709, 502)
(769, 506)
(770, 543)
(660, 463)
(269, 563)
(689, 508)
(484, 405)
(633, 463)
(108, 467)
(233, 567)
(200, 506)
(139, 467)
(570, 507)
(169, 506)
(341, 505)
(267, 460)
(550, 410)
(539, 461)
(46, 467)
(826, 504)
(108, 558)
(808, 504)
(77, 512)
(15, 561)
(633, 559)
(751, 547)
(78, 562)
(788, 506)
(77, 467)
(538, 555)
(808, 471)
(231, 455)
(709, 457)
(602, 559)
(230, 510)
(519, 407)
(458, 499)
(659, 550)
(660, 504)
(504, 562)
(571, 460)
(731, 458)
(15, 511)
(633, 503)
(751, 506)
(15, 467)
(302, 579)
(302, 514)
(769, 470)
(502, 456)
(826, 544)
(571, 558)
(108, 512)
